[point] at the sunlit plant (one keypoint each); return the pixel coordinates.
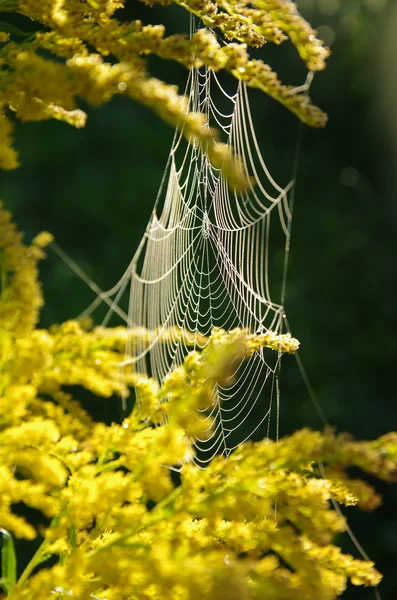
(124, 511)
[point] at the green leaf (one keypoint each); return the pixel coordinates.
(8, 561)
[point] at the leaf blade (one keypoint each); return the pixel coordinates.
(8, 561)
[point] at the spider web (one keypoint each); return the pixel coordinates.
(204, 262)
(211, 257)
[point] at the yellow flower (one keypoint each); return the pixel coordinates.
(8, 156)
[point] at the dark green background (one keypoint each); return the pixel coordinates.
(94, 189)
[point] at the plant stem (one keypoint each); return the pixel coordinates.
(36, 559)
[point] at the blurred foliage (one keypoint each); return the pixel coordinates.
(94, 189)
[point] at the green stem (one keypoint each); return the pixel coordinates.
(110, 466)
(36, 559)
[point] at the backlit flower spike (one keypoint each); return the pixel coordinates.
(37, 88)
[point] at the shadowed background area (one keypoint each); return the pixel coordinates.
(94, 190)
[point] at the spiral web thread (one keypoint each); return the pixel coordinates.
(206, 261)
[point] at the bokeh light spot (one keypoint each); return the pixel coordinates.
(327, 34)
(349, 176)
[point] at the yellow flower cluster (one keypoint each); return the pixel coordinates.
(218, 528)
(20, 294)
(255, 22)
(114, 521)
(187, 391)
(82, 35)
